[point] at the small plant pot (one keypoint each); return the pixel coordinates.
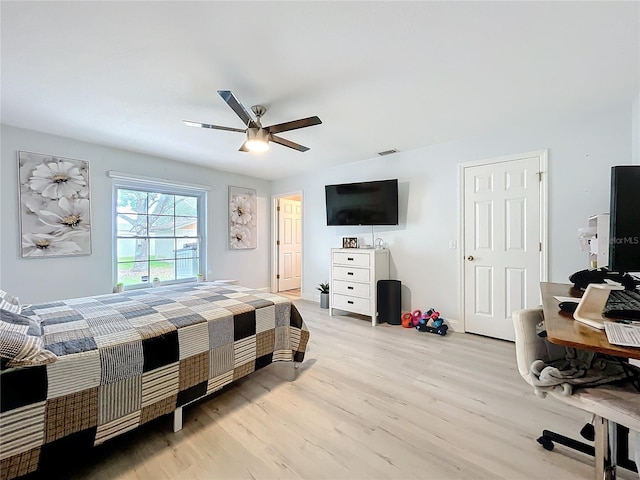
(156, 284)
(200, 278)
(118, 288)
(324, 300)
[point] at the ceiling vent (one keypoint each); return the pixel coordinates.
(388, 152)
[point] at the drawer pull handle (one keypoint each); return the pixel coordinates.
(350, 259)
(349, 288)
(349, 302)
(349, 273)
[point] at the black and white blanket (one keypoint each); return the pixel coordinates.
(127, 358)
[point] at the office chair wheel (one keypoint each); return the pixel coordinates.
(546, 443)
(588, 432)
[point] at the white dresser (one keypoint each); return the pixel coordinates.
(354, 275)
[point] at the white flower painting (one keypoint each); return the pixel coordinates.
(242, 218)
(55, 216)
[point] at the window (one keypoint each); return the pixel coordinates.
(159, 233)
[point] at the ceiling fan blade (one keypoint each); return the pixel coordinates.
(286, 126)
(215, 127)
(287, 143)
(237, 107)
(243, 147)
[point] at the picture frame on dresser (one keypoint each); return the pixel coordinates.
(349, 242)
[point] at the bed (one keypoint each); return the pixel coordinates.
(124, 359)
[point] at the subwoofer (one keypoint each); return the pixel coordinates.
(389, 301)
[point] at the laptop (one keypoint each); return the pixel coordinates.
(589, 310)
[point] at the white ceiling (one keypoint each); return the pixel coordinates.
(380, 75)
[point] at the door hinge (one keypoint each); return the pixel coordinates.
(539, 176)
(278, 208)
(277, 242)
(540, 246)
(278, 276)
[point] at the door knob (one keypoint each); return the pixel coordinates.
(470, 258)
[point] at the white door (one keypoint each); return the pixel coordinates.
(502, 243)
(289, 244)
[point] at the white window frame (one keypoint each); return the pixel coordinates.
(133, 182)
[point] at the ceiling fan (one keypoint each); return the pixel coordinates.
(258, 137)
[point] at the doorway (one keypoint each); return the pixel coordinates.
(503, 225)
(287, 244)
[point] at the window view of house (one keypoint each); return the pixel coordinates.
(157, 236)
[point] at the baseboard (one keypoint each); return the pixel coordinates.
(455, 325)
(310, 297)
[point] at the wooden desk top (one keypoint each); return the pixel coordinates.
(564, 330)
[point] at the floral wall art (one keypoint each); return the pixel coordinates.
(243, 219)
(55, 217)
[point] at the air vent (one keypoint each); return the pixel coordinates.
(388, 152)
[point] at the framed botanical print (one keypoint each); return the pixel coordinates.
(55, 213)
(243, 218)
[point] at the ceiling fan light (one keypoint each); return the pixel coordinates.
(257, 145)
(257, 140)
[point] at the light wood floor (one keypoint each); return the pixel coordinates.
(291, 294)
(383, 402)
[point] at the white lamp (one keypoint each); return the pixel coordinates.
(257, 140)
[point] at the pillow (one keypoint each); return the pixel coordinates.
(9, 302)
(21, 342)
(33, 326)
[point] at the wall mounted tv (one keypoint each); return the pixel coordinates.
(624, 229)
(362, 203)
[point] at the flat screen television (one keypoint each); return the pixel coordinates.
(624, 215)
(362, 203)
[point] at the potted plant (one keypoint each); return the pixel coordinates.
(119, 287)
(156, 281)
(200, 277)
(324, 295)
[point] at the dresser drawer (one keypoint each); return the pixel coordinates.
(350, 288)
(355, 259)
(351, 304)
(351, 274)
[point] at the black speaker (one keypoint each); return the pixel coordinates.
(389, 302)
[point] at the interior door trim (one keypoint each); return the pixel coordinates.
(543, 171)
(274, 238)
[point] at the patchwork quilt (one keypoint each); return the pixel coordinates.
(127, 358)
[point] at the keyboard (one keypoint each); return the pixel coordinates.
(623, 304)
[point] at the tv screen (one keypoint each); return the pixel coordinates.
(363, 203)
(624, 229)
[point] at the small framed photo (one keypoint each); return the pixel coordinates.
(349, 242)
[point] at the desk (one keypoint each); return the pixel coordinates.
(564, 330)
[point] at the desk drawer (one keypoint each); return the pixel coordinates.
(351, 304)
(351, 274)
(356, 259)
(350, 288)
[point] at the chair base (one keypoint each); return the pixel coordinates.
(548, 439)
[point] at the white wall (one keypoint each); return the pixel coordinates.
(580, 155)
(39, 280)
(635, 131)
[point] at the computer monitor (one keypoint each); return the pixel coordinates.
(624, 227)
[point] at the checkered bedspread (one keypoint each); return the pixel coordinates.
(127, 358)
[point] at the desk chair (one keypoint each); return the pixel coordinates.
(610, 405)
